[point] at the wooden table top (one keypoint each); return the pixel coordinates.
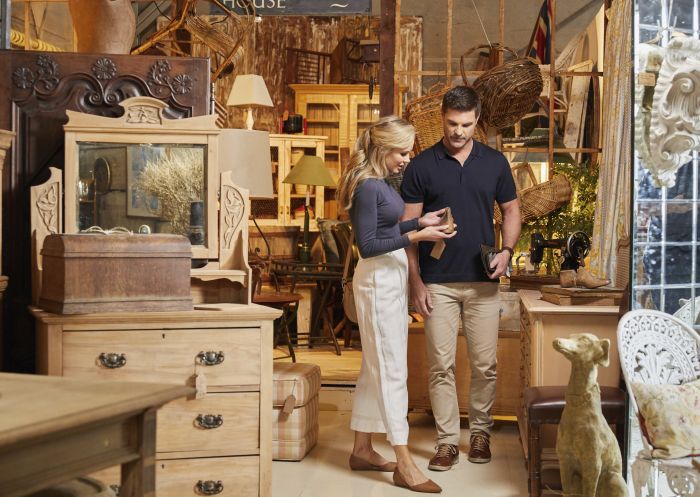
(32, 406)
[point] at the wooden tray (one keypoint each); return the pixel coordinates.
(581, 296)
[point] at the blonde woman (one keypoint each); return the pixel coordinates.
(380, 287)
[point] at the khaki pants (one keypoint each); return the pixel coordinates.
(477, 306)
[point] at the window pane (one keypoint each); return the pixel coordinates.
(679, 261)
(649, 271)
(648, 222)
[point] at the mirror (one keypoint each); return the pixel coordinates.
(145, 173)
(160, 186)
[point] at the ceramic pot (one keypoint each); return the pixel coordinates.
(103, 26)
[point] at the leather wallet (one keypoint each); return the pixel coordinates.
(487, 254)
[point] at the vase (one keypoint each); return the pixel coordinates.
(103, 26)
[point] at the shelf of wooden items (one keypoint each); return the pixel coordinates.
(341, 112)
(285, 151)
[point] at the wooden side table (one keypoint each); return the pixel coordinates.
(54, 429)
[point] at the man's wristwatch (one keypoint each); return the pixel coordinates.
(509, 249)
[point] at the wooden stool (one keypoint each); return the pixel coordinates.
(544, 405)
(289, 304)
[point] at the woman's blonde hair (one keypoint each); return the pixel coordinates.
(371, 148)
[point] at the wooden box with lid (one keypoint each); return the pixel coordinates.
(85, 273)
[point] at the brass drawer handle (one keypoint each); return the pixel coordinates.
(209, 487)
(211, 358)
(112, 360)
(209, 421)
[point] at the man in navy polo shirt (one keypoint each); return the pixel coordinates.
(467, 176)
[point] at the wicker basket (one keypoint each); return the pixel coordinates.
(508, 91)
(425, 114)
(540, 199)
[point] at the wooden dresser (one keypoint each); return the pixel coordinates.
(216, 444)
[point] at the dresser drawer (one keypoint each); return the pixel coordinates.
(218, 424)
(237, 476)
(165, 356)
(179, 477)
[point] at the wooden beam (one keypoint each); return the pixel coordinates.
(449, 37)
(397, 104)
(552, 83)
(5, 19)
(387, 54)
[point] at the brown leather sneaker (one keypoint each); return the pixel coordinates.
(445, 457)
(479, 450)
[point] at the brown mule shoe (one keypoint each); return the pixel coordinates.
(427, 487)
(445, 457)
(479, 450)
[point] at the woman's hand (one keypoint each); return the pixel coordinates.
(431, 234)
(431, 218)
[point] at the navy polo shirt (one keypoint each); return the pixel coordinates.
(436, 179)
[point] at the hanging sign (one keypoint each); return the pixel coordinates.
(304, 7)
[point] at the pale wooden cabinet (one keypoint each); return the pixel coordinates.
(540, 323)
(221, 440)
(286, 207)
(339, 112)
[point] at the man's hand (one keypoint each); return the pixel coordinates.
(420, 298)
(500, 264)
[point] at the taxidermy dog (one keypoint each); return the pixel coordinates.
(589, 457)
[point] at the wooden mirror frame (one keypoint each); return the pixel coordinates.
(143, 122)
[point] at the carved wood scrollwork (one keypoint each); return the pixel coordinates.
(233, 206)
(104, 87)
(47, 206)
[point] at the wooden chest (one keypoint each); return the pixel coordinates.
(87, 273)
(216, 443)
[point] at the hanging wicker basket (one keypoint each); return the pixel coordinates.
(425, 114)
(541, 198)
(508, 91)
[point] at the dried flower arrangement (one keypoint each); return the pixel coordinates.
(176, 179)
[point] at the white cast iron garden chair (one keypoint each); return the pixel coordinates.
(657, 348)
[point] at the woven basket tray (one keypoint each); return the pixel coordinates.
(540, 199)
(425, 114)
(508, 91)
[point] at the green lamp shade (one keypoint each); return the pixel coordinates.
(310, 170)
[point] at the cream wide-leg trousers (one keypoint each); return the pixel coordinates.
(380, 286)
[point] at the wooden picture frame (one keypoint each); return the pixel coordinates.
(144, 123)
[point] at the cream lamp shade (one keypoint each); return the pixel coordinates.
(246, 153)
(249, 90)
(310, 170)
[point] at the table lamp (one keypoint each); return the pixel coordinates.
(310, 170)
(248, 91)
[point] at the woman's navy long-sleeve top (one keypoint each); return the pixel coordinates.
(375, 213)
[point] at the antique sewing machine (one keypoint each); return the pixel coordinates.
(573, 249)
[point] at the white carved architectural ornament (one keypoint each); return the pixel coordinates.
(649, 61)
(674, 130)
